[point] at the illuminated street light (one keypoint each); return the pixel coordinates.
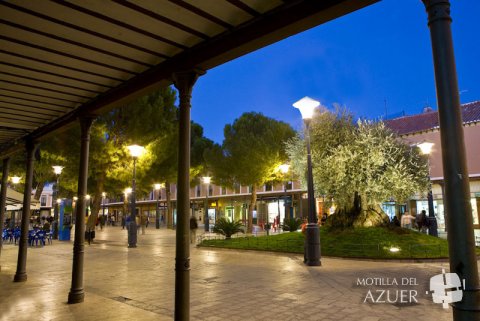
(15, 180)
(158, 188)
(307, 107)
(206, 180)
(135, 151)
(426, 149)
(104, 195)
(284, 170)
(56, 191)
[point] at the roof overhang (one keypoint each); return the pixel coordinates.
(60, 60)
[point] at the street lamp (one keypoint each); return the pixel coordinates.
(135, 152)
(87, 198)
(57, 170)
(284, 170)
(74, 208)
(426, 149)
(206, 180)
(104, 195)
(158, 188)
(15, 180)
(307, 106)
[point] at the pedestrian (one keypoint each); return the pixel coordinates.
(193, 229)
(395, 221)
(123, 222)
(407, 220)
(422, 222)
(102, 221)
(143, 222)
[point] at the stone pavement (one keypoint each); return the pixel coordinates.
(138, 284)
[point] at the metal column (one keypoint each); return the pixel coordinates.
(77, 294)
(461, 240)
(3, 196)
(184, 82)
(21, 274)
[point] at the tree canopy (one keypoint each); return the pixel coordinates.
(150, 121)
(252, 149)
(359, 165)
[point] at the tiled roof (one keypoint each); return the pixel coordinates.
(429, 120)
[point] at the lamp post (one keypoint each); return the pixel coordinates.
(87, 198)
(57, 170)
(74, 209)
(126, 192)
(206, 180)
(15, 180)
(158, 188)
(135, 152)
(104, 195)
(284, 168)
(426, 149)
(307, 106)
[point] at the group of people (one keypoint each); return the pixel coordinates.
(410, 221)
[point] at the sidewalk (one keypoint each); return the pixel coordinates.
(138, 284)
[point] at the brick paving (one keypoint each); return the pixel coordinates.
(138, 284)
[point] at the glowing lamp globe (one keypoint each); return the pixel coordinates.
(426, 147)
(57, 169)
(284, 168)
(206, 179)
(15, 179)
(307, 106)
(136, 150)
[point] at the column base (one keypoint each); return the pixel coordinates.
(20, 277)
(76, 297)
(312, 245)
(130, 246)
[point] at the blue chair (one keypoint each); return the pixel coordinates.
(31, 237)
(16, 234)
(40, 237)
(49, 236)
(10, 235)
(4, 234)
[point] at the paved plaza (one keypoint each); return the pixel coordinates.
(138, 284)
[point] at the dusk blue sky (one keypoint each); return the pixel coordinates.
(379, 53)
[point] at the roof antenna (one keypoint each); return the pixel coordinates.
(385, 102)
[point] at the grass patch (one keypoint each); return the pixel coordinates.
(374, 242)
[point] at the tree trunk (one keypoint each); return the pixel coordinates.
(169, 217)
(253, 202)
(39, 190)
(359, 215)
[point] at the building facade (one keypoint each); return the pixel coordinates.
(275, 202)
(425, 127)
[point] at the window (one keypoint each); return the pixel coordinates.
(223, 190)
(210, 190)
(236, 188)
(43, 200)
(198, 191)
(268, 187)
(289, 185)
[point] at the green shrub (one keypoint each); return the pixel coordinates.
(291, 224)
(227, 228)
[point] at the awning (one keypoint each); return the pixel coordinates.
(14, 201)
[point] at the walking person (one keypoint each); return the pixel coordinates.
(193, 229)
